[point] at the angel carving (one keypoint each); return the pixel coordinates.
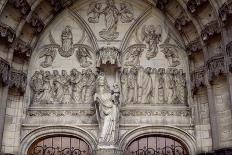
(151, 35)
(133, 54)
(111, 13)
(66, 49)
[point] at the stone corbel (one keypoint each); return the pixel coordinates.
(181, 21)
(216, 67)
(225, 11)
(17, 79)
(194, 4)
(198, 79)
(21, 4)
(194, 46)
(36, 22)
(22, 47)
(7, 32)
(210, 30)
(4, 71)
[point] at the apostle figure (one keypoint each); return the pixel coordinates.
(90, 85)
(132, 86)
(124, 84)
(161, 86)
(36, 85)
(181, 87)
(106, 111)
(57, 87)
(65, 79)
(146, 86)
(75, 80)
(46, 98)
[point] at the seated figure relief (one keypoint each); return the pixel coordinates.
(141, 85)
(64, 88)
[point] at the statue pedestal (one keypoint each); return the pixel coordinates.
(108, 150)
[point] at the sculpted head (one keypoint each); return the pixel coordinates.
(55, 72)
(64, 72)
(102, 82)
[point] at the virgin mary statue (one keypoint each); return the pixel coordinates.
(106, 111)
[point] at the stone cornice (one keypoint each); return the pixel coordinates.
(4, 70)
(210, 29)
(192, 5)
(7, 32)
(17, 79)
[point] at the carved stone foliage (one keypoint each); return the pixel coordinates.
(7, 32)
(216, 67)
(23, 5)
(110, 55)
(194, 4)
(153, 86)
(194, 46)
(152, 36)
(17, 79)
(36, 22)
(111, 14)
(225, 11)
(171, 54)
(4, 70)
(64, 88)
(198, 79)
(132, 54)
(181, 21)
(22, 47)
(161, 4)
(83, 52)
(210, 30)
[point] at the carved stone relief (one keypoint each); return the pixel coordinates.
(111, 14)
(141, 85)
(171, 54)
(53, 88)
(83, 52)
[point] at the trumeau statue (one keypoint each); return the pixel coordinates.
(106, 111)
(111, 14)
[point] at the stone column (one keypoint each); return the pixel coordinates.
(3, 100)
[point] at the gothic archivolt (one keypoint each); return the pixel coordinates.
(144, 68)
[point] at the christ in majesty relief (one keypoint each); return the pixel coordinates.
(111, 14)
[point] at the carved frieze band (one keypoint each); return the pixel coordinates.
(194, 4)
(225, 11)
(7, 32)
(18, 79)
(210, 29)
(4, 70)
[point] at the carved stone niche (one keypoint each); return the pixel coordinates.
(198, 79)
(7, 32)
(216, 67)
(194, 46)
(36, 22)
(108, 55)
(194, 4)
(225, 11)
(23, 5)
(17, 79)
(181, 21)
(21, 47)
(210, 30)
(229, 54)
(4, 70)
